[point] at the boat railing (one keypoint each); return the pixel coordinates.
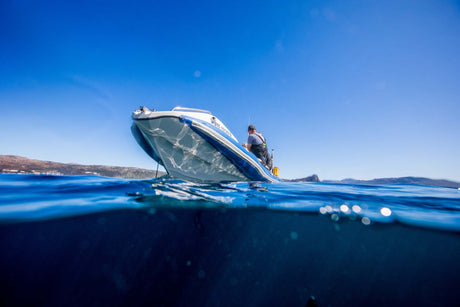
(191, 110)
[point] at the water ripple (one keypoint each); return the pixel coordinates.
(32, 198)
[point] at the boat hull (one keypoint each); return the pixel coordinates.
(195, 150)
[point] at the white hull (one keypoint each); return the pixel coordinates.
(184, 153)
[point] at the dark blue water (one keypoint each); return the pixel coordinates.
(85, 240)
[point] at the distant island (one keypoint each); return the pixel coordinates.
(384, 181)
(401, 180)
(312, 178)
(21, 165)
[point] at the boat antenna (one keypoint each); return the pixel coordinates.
(156, 174)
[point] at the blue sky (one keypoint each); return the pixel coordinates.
(360, 89)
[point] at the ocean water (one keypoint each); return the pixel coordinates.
(94, 241)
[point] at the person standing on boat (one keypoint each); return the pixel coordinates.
(258, 146)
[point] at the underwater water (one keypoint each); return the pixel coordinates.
(87, 240)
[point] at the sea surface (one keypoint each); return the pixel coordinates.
(95, 241)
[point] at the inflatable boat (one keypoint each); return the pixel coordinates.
(194, 145)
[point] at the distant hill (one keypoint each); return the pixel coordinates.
(402, 180)
(312, 178)
(21, 165)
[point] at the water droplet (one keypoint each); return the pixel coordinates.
(335, 217)
(366, 221)
(344, 208)
(385, 211)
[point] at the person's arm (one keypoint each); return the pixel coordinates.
(247, 146)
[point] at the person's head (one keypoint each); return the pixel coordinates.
(251, 129)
